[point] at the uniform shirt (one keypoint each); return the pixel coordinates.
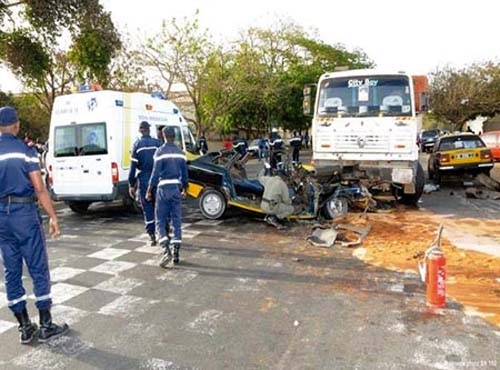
(240, 145)
(17, 160)
(142, 159)
(169, 164)
(296, 141)
(275, 142)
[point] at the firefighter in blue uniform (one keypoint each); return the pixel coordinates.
(22, 237)
(296, 144)
(143, 152)
(275, 149)
(170, 180)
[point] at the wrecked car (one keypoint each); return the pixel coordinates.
(219, 181)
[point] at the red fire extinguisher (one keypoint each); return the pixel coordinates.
(433, 273)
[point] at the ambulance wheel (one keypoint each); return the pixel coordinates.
(212, 204)
(79, 207)
(334, 208)
(132, 205)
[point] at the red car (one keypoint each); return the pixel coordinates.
(492, 141)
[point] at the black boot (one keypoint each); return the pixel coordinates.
(48, 329)
(152, 237)
(26, 327)
(177, 246)
(167, 254)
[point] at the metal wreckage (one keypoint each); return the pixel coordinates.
(219, 181)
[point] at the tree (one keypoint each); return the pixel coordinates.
(460, 94)
(283, 60)
(29, 37)
(182, 53)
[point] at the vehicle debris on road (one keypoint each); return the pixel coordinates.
(343, 235)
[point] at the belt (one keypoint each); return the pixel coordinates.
(14, 199)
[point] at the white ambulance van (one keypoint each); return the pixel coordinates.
(90, 142)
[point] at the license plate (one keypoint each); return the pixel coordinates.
(465, 155)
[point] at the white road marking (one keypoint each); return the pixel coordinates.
(62, 292)
(206, 322)
(119, 285)
(113, 267)
(126, 307)
(64, 273)
(6, 325)
(178, 277)
(109, 253)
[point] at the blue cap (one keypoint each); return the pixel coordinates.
(8, 116)
(144, 125)
(169, 131)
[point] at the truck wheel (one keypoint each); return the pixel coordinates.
(334, 208)
(412, 199)
(79, 207)
(430, 173)
(212, 204)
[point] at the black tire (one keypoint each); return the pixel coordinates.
(79, 207)
(132, 205)
(212, 204)
(412, 199)
(437, 178)
(334, 208)
(430, 173)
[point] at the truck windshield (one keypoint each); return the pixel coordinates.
(80, 140)
(365, 96)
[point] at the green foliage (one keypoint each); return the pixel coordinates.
(461, 94)
(29, 39)
(24, 55)
(283, 61)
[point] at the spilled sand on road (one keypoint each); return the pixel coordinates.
(397, 239)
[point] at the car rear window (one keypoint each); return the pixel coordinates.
(461, 142)
(430, 133)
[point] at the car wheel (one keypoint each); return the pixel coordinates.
(212, 204)
(79, 207)
(334, 208)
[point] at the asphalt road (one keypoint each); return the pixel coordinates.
(245, 296)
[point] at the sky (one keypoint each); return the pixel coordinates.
(415, 36)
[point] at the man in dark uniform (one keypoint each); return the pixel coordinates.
(170, 179)
(275, 149)
(143, 152)
(21, 232)
(240, 145)
(296, 143)
(202, 144)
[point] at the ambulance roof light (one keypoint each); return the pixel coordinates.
(159, 95)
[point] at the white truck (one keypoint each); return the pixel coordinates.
(90, 141)
(365, 125)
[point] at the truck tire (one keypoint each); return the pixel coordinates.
(412, 199)
(212, 204)
(79, 207)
